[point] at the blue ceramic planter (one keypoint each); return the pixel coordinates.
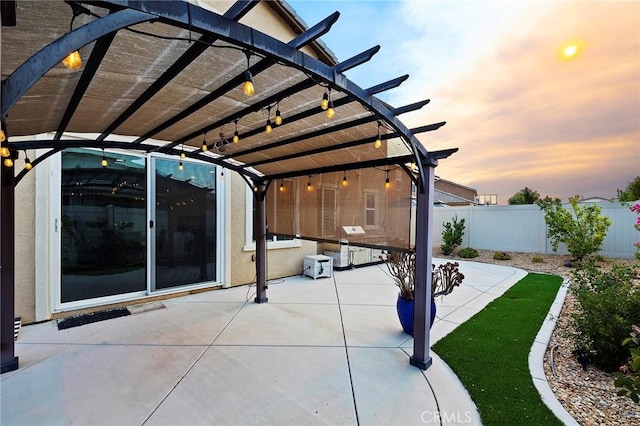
(405, 314)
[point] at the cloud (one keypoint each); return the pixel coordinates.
(523, 116)
(520, 113)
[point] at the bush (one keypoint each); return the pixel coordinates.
(452, 235)
(630, 384)
(582, 229)
(500, 255)
(537, 259)
(468, 253)
(608, 305)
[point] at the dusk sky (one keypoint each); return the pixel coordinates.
(521, 112)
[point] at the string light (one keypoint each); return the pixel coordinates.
(182, 154)
(204, 146)
(281, 185)
(104, 161)
(344, 179)
(248, 88)
(268, 127)
(309, 187)
(27, 163)
(73, 61)
(8, 162)
(378, 142)
(236, 135)
(222, 174)
(180, 166)
(387, 184)
(330, 111)
(278, 119)
(4, 151)
(325, 101)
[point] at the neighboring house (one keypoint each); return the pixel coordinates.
(452, 193)
(595, 200)
(444, 199)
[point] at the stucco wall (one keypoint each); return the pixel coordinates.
(25, 301)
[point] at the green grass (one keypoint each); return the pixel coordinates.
(489, 353)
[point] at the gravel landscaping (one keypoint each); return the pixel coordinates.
(589, 396)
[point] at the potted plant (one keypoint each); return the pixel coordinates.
(402, 267)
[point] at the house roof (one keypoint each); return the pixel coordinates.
(172, 73)
(442, 197)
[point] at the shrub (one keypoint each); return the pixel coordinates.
(500, 255)
(452, 235)
(537, 259)
(630, 384)
(582, 230)
(608, 305)
(468, 253)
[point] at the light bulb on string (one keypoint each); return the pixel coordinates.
(104, 162)
(204, 146)
(248, 88)
(236, 135)
(387, 184)
(378, 142)
(344, 179)
(325, 101)
(278, 118)
(27, 163)
(268, 127)
(73, 61)
(281, 186)
(180, 166)
(330, 111)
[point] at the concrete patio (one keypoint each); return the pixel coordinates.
(326, 351)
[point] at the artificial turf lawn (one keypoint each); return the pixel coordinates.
(489, 353)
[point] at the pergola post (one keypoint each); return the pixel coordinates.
(424, 258)
(7, 269)
(260, 234)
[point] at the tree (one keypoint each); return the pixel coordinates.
(582, 229)
(525, 196)
(631, 193)
(452, 235)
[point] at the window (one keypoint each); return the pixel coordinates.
(282, 212)
(370, 210)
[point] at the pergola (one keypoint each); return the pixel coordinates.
(172, 73)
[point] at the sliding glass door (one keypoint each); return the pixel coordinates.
(134, 226)
(184, 221)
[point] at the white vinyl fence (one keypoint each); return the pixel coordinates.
(522, 229)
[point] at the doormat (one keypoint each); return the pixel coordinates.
(83, 319)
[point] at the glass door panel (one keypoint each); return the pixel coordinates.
(103, 229)
(184, 224)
